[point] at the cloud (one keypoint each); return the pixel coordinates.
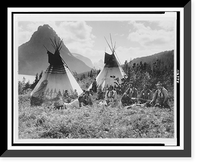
(149, 37)
(75, 34)
(26, 29)
(167, 24)
(77, 31)
(128, 53)
(23, 36)
(78, 37)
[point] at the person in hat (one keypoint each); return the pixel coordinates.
(94, 86)
(111, 95)
(88, 98)
(130, 96)
(131, 91)
(160, 97)
(85, 98)
(81, 98)
(75, 93)
(125, 100)
(100, 93)
(145, 95)
(59, 103)
(66, 97)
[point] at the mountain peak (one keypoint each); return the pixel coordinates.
(43, 34)
(33, 57)
(44, 27)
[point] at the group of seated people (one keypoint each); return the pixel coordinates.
(69, 97)
(65, 98)
(85, 98)
(109, 94)
(158, 98)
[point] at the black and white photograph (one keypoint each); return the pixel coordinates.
(105, 79)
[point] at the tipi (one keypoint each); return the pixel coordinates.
(111, 71)
(57, 78)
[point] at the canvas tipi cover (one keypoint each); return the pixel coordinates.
(111, 71)
(57, 78)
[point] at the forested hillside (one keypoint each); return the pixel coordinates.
(151, 69)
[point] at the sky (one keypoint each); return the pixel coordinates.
(133, 35)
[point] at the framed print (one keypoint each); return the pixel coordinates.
(98, 82)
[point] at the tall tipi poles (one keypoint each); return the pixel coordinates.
(111, 70)
(57, 78)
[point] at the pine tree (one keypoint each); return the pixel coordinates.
(125, 66)
(91, 74)
(98, 71)
(20, 88)
(40, 76)
(35, 82)
(27, 86)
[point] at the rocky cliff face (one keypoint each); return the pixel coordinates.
(86, 60)
(33, 55)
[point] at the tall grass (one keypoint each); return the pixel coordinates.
(93, 122)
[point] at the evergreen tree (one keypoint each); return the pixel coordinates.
(27, 86)
(91, 74)
(98, 71)
(20, 88)
(40, 76)
(35, 82)
(149, 74)
(125, 66)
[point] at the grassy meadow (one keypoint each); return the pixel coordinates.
(95, 121)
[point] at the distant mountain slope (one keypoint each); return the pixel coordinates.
(99, 64)
(86, 60)
(167, 57)
(33, 56)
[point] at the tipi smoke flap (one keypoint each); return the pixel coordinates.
(112, 71)
(56, 79)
